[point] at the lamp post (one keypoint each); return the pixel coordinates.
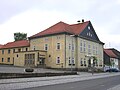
(72, 53)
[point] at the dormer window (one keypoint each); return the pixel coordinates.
(91, 35)
(89, 27)
(87, 34)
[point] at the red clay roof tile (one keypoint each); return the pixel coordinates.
(1, 45)
(21, 43)
(110, 53)
(78, 28)
(60, 27)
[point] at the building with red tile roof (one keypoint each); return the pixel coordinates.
(59, 46)
(111, 58)
(110, 53)
(15, 44)
(62, 27)
(62, 35)
(7, 51)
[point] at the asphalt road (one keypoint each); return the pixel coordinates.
(94, 84)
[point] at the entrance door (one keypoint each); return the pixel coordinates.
(41, 62)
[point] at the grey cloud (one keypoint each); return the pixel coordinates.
(9, 8)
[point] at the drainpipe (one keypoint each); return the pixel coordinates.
(65, 51)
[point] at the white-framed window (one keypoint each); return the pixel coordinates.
(73, 61)
(8, 51)
(58, 37)
(81, 62)
(33, 47)
(84, 46)
(2, 59)
(69, 46)
(46, 39)
(96, 50)
(81, 46)
(72, 47)
(87, 34)
(2, 51)
(84, 62)
(69, 60)
(46, 47)
(89, 27)
(91, 35)
(58, 46)
(8, 60)
(89, 49)
(58, 60)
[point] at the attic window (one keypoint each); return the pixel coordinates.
(87, 34)
(91, 35)
(89, 27)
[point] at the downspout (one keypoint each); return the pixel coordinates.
(76, 53)
(65, 51)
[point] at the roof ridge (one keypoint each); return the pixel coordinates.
(80, 23)
(110, 53)
(19, 43)
(62, 27)
(61, 22)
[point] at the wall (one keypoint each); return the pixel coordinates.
(10, 55)
(87, 47)
(52, 52)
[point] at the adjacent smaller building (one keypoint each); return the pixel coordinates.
(7, 51)
(111, 58)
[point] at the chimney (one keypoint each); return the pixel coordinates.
(82, 20)
(78, 21)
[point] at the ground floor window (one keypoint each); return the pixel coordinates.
(29, 59)
(8, 59)
(69, 61)
(2, 59)
(81, 62)
(58, 60)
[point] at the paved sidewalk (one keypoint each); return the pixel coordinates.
(20, 83)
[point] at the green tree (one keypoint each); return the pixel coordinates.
(20, 36)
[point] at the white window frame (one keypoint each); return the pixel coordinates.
(46, 46)
(96, 50)
(81, 61)
(58, 44)
(73, 47)
(69, 60)
(84, 45)
(57, 60)
(73, 61)
(81, 46)
(69, 46)
(89, 48)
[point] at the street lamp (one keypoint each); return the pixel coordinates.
(72, 53)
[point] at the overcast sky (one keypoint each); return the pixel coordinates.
(33, 16)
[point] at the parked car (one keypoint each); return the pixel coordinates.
(112, 70)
